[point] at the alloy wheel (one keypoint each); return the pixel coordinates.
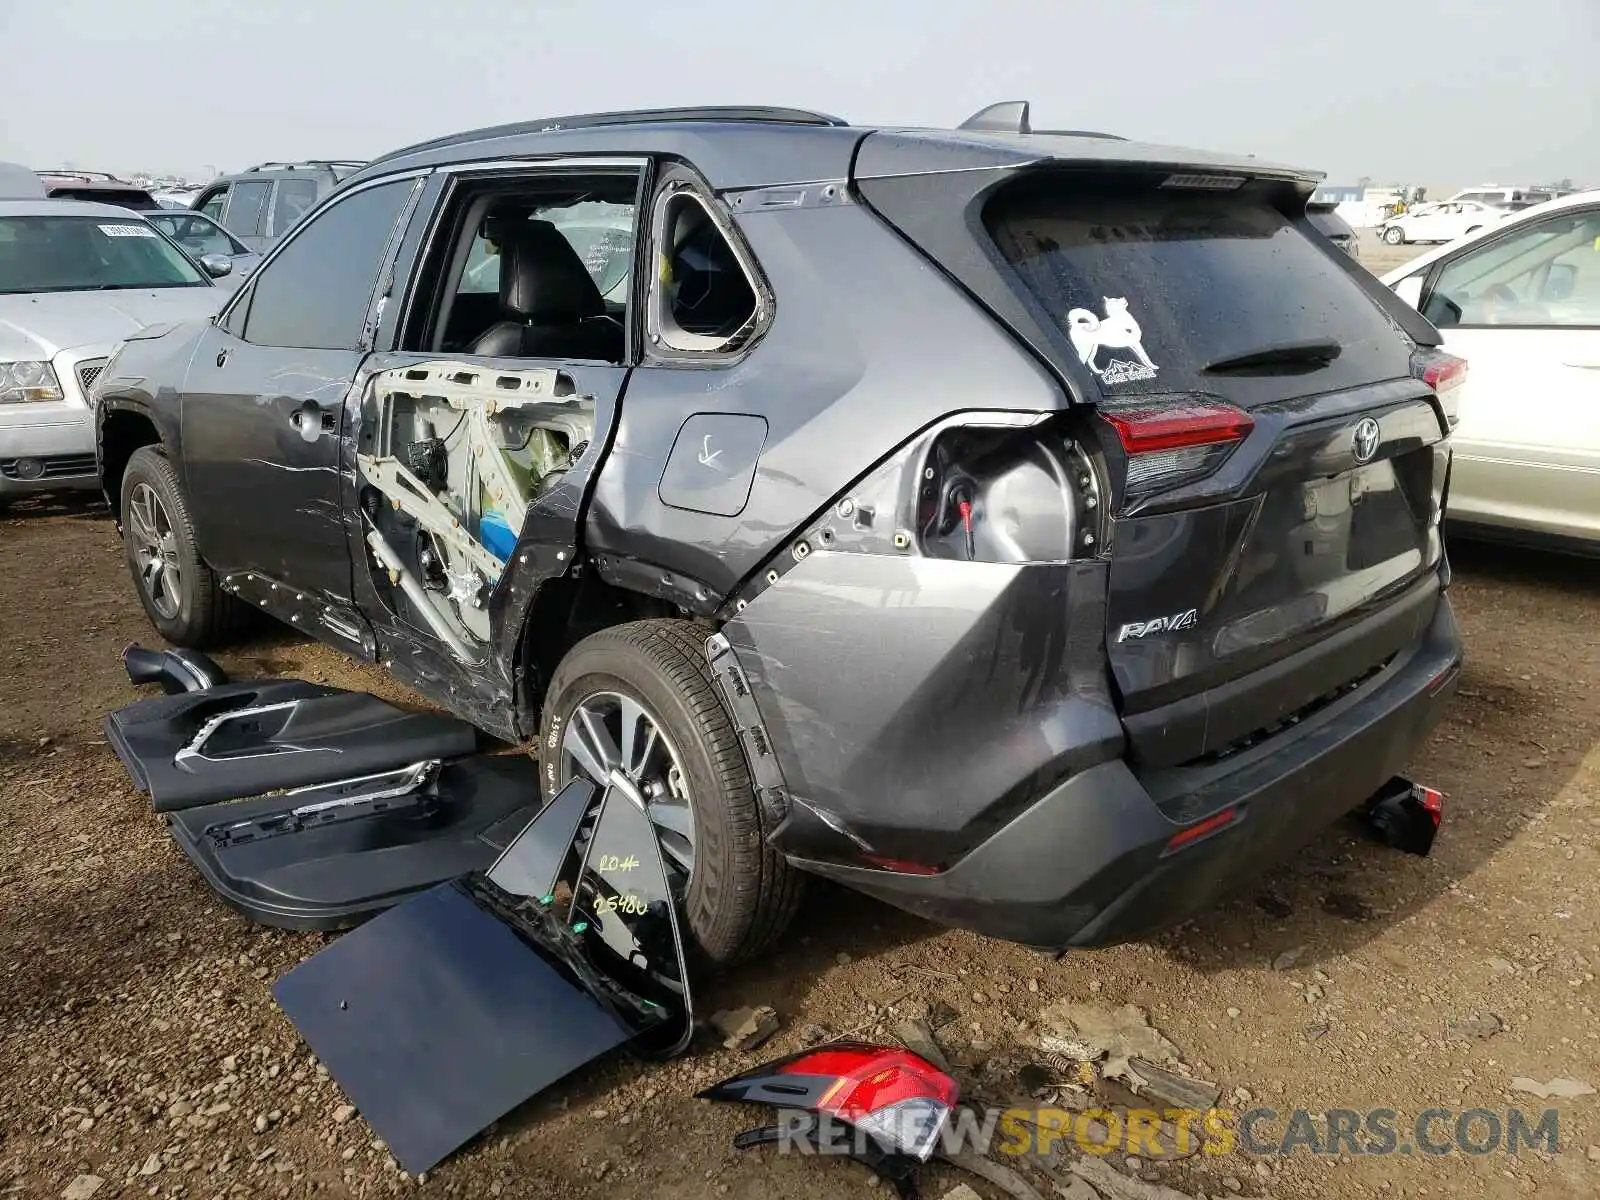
(155, 550)
(614, 740)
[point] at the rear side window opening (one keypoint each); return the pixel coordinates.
(705, 299)
(1152, 287)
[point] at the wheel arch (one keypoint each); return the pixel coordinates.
(122, 429)
(565, 611)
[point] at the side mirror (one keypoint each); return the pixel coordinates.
(1560, 283)
(216, 265)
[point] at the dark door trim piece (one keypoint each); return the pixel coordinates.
(249, 738)
(444, 1013)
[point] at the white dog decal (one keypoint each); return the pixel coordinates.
(1118, 331)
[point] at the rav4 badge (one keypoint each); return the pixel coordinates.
(1187, 619)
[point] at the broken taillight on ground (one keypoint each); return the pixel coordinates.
(898, 1099)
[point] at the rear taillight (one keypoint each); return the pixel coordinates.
(1176, 443)
(900, 1099)
(1444, 373)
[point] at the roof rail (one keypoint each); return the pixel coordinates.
(305, 162)
(1083, 133)
(758, 114)
(74, 173)
(1011, 116)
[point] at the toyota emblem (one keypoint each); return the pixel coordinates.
(1365, 442)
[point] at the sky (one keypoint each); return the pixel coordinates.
(1407, 91)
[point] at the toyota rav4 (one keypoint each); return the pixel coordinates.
(1039, 531)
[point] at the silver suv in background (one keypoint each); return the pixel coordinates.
(260, 205)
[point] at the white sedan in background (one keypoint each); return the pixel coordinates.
(1520, 301)
(76, 279)
(1443, 222)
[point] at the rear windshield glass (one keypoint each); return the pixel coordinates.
(1151, 288)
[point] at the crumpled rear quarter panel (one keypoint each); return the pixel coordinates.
(923, 701)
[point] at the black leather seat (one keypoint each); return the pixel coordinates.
(553, 308)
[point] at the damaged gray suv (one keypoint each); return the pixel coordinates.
(1038, 531)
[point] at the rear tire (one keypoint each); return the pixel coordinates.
(741, 894)
(180, 593)
(1394, 235)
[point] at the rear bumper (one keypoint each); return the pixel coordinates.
(1088, 863)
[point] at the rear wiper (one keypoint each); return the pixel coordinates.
(1285, 356)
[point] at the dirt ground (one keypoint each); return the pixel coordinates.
(139, 1043)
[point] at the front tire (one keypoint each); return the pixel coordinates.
(639, 698)
(1394, 235)
(180, 593)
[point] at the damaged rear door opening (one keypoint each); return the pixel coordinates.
(451, 457)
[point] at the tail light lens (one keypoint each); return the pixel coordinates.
(899, 1098)
(1444, 373)
(1176, 443)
